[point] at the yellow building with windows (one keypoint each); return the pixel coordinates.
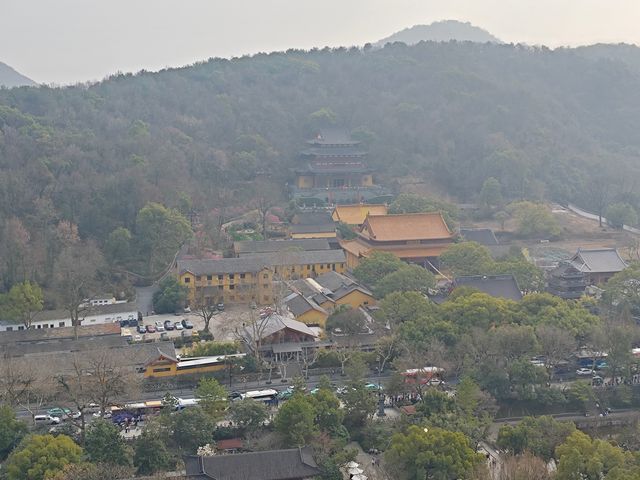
(313, 300)
(251, 278)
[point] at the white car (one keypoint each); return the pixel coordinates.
(583, 372)
(46, 420)
(178, 326)
(159, 326)
(137, 338)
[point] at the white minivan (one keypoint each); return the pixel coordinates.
(46, 420)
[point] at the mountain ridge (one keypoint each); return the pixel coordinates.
(441, 31)
(10, 77)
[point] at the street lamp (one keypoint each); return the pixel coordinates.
(381, 412)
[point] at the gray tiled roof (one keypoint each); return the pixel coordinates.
(599, 260)
(325, 228)
(483, 236)
(501, 286)
(255, 263)
(313, 218)
(291, 464)
(266, 246)
(334, 280)
(274, 323)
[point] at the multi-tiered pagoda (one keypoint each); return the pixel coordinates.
(333, 170)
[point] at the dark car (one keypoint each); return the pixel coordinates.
(187, 324)
(142, 329)
(220, 307)
(168, 325)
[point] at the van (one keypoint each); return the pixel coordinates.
(46, 420)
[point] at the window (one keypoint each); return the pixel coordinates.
(309, 267)
(232, 287)
(9, 329)
(321, 267)
(242, 275)
(21, 327)
(366, 302)
(328, 265)
(187, 280)
(220, 277)
(163, 369)
(231, 276)
(46, 325)
(209, 278)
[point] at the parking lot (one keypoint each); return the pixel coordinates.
(223, 324)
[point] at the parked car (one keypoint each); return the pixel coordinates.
(159, 326)
(178, 326)
(46, 420)
(151, 329)
(584, 372)
(220, 307)
(373, 387)
(137, 338)
(187, 324)
(142, 329)
(187, 309)
(168, 325)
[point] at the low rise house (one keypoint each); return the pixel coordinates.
(278, 336)
(312, 225)
(251, 277)
(500, 286)
(598, 264)
(290, 464)
(93, 315)
(313, 300)
(306, 310)
(415, 237)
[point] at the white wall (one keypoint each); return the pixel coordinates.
(91, 319)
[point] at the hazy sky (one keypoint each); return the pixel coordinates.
(65, 41)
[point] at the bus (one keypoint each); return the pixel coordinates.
(186, 403)
(267, 396)
(423, 376)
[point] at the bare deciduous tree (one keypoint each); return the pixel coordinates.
(75, 280)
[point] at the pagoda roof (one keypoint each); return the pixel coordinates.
(332, 136)
(356, 214)
(405, 227)
(336, 168)
(333, 151)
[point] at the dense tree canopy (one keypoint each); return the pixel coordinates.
(41, 456)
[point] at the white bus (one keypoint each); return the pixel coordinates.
(260, 395)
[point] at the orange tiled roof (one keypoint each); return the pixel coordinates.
(405, 227)
(359, 249)
(356, 214)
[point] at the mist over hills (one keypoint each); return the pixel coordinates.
(11, 78)
(548, 124)
(442, 31)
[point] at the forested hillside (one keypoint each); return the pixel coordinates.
(546, 124)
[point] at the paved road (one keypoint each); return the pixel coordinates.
(144, 299)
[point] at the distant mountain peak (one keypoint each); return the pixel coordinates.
(10, 78)
(443, 31)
